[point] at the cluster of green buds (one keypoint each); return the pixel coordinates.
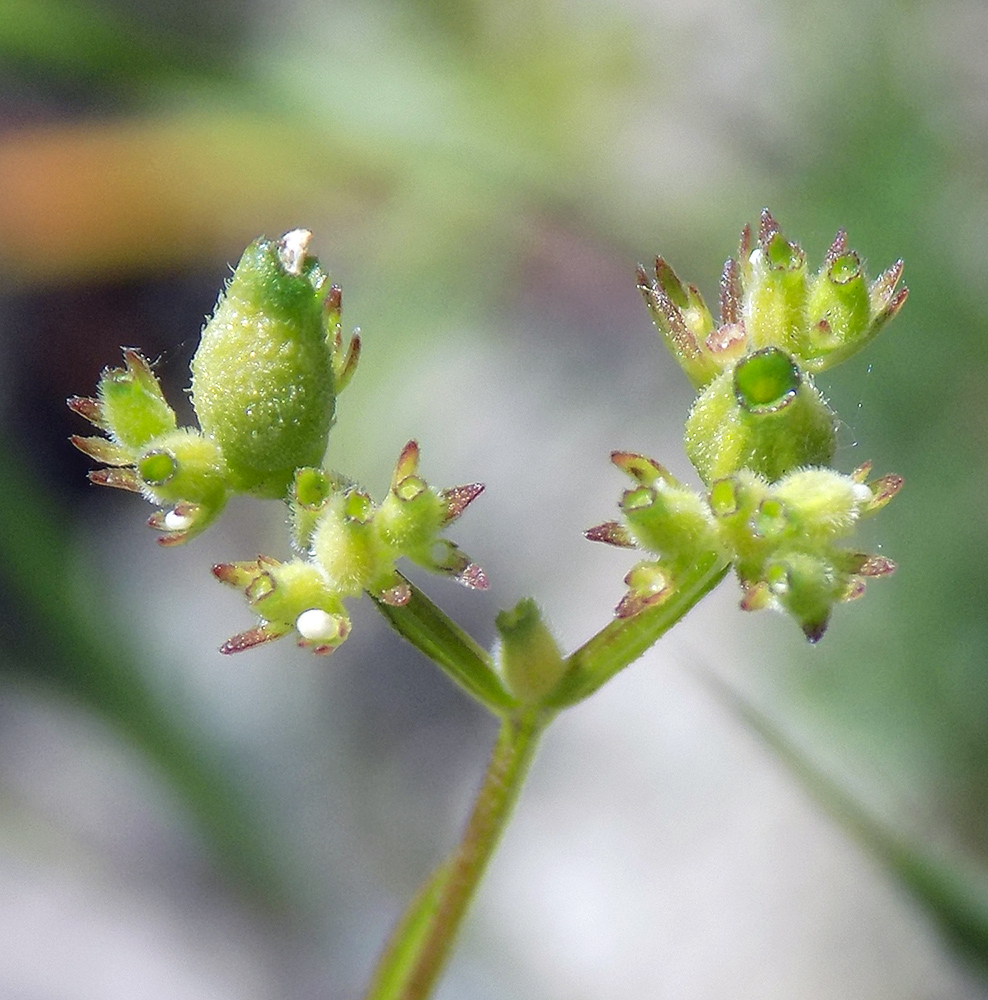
(348, 545)
(265, 377)
(760, 434)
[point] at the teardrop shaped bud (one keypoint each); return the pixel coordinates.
(530, 660)
(263, 379)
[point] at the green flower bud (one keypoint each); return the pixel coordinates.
(346, 546)
(768, 299)
(763, 414)
(783, 539)
(263, 378)
(807, 587)
(530, 659)
(774, 311)
(821, 504)
(182, 465)
(760, 434)
(683, 320)
(839, 310)
(671, 521)
(310, 492)
(186, 470)
(412, 514)
(286, 596)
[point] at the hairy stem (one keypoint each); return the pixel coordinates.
(420, 945)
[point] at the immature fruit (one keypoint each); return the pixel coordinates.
(263, 382)
(762, 414)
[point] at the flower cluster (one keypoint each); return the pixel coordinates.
(265, 378)
(760, 434)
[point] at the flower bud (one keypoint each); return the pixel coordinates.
(671, 521)
(263, 378)
(286, 596)
(346, 546)
(530, 660)
(768, 299)
(184, 469)
(774, 310)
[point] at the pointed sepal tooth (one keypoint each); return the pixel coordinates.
(446, 557)
(642, 469)
(727, 342)
(767, 228)
(333, 305)
(755, 596)
(611, 533)
(348, 364)
(457, 498)
(882, 289)
(173, 539)
(89, 409)
(236, 574)
(407, 464)
(101, 449)
(895, 304)
(883, 490)
(472, 576)
(814, 630)
(862, 472)
(647, 584)
(669, 282)
(875, 565)
(179, 523)
(396, 595)
(837, 249)
(744, 256)
(140, 368)
(730, 292)
(118, 479)
(644, 281)
(252, 637)
(673, 323)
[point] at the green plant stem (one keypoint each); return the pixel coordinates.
(623, 640)
(420, 945)
(430, 630)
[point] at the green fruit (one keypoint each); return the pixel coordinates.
(263, 382)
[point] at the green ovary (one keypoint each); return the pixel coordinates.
(263, 384)
(723, 437)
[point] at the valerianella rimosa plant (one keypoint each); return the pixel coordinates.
(265, 379)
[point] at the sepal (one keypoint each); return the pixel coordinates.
(130, 405)
(293, 596)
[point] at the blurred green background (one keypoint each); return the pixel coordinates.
(482, 177)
